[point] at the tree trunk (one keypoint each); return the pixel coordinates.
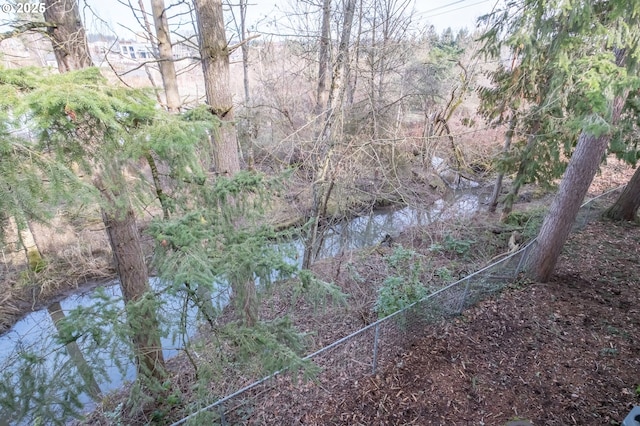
(251, 126)
(565, 206)
(323, 58)
(67, 36)
(521, 175)
(245, 51)
(155, 176)
(30, 246)
(165, 57)
(118, 215)
(322, 186)
(493, 203)
(626, 206)
(120, 222)
(352, 84)
(214, 52)
(249, 301)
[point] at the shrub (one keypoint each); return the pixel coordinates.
(403, 286)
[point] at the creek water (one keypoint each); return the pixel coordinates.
(36, 332)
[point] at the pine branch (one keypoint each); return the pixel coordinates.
(25, 27)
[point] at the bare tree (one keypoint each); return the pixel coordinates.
(324, 182)
(493, 202)
(386, 23)
(165, 55)
(323, 57)
(214, 53)
(248, 124)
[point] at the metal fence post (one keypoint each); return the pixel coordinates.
(523, 258)
(375, 349)
(586, 215)
(464, 296)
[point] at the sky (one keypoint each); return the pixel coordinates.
(456, 14)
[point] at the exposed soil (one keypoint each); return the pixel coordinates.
(565, 352)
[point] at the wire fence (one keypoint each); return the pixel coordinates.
(364, 352)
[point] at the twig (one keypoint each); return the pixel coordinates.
(235, 46)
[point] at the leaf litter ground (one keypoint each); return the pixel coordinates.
(560, 353)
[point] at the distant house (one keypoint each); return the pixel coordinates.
(135, 50)
(184, 50)
(100, 47)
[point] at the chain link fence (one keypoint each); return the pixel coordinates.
(366, 351)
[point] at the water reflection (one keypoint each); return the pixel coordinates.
(75, 354)
(32, 356)
(366, 231)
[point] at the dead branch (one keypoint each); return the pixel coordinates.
(237, 45)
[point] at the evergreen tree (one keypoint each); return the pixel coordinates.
(551, 62)
(92, 131)
(624, 145)
(576, 66)
(79, 119)
(627, 204)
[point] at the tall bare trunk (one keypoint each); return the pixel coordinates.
(323, 182)
(30, 247)
(214, 52)
(521, 175)
(251, 127)
(155, 176)
(352, 83)
(245, 50)
(493, 203)
(323, 58)
(167, 66)
(171, 94)
(67, 36)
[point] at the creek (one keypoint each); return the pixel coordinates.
(35, 333)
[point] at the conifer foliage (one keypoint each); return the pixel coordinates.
(573, 65)
(217, 233)
(558, 79)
